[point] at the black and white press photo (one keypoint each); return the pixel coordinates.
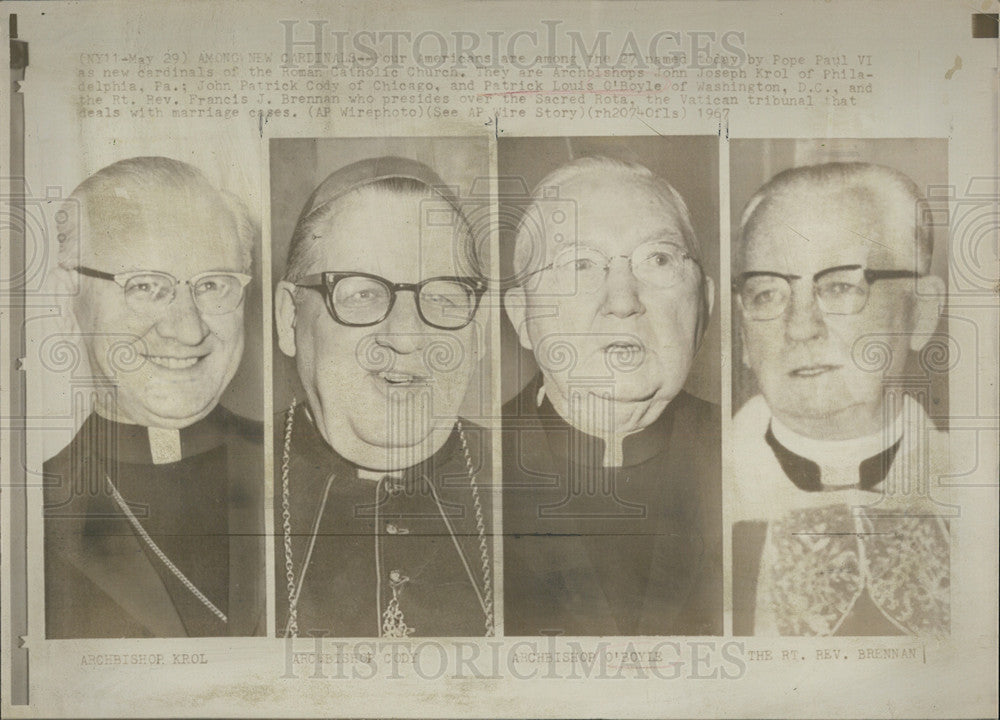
(154, 511)
(839, 388)
(499, 359)
(383, 478)
(611, 427)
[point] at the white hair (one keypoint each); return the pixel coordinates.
(138, 179)
(901, 199)
(528, 242)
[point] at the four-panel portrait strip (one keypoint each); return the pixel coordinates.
(570, 386)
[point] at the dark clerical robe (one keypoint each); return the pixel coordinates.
(594, 550)
(205, 512)
(374, 554)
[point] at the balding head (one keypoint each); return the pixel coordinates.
(875, 204)
(139, 193)
(541, 230)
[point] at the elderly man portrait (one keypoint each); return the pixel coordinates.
(154, 511)
(838, 530)
(611, 497)
(383, 508)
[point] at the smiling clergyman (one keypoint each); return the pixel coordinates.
(384, 511)
(154, 512)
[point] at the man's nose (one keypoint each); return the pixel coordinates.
(621, 291)
(804, 319)
(403, 330)
(182, 320)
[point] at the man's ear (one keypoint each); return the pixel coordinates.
(705, 306)
(515, 304)
(479, 331)
(926, 310)
(709, 297)
(743, 344)
(284, 316)
(65, 283)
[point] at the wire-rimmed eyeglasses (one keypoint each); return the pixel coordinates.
(447, 302)
(580, 268)
(840, 290)
(150, 292)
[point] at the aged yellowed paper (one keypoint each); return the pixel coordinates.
(499, 359)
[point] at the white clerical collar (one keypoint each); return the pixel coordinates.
(378, 475)
(164, 445)
(614, 443)
(839, 459)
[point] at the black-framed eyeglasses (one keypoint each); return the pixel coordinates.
(150, 292)
(361, 299)
(579, 268)
(840, 290)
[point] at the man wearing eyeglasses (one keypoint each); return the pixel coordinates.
(154, 512)
(383, 509)
(836, 530)
(612, 511)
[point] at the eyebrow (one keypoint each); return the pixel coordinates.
(792, 276)
(663, 236)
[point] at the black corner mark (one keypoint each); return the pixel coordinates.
(985, 25)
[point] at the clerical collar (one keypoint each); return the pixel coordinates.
(815, 465)
(164, 445)
(588, 450)
(378, 475)
(141, 445)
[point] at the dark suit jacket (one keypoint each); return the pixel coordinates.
(633, 550)
(206, 512)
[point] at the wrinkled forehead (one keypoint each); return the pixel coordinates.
(808, 229)
(396, 234)
(612, 212)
